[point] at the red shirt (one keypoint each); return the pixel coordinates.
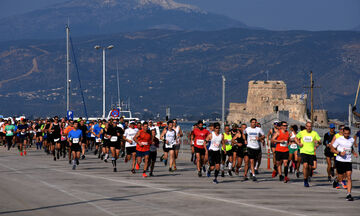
(145, 139)
(200, 136)
(282, 147)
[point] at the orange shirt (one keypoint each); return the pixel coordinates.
(145, 139)
(68, 129)
(283, 146)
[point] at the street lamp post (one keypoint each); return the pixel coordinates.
(104, 73)
(223, 103)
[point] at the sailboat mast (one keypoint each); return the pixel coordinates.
(312, 96)
(67, 69)
(118, 83)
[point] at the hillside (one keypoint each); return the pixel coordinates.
(180, 69)
(91, 17)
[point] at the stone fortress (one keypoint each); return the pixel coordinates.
(268, 97)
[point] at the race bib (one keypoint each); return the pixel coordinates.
(216, 144)
(22, 133)
(200, 142)
(347, 151)
(293, 146)
(283, 144)
(8, 132)
(56, 140)
(39, 130)
(144, 143)
(75, 140)
(98, 140)
(308, 139)
(228, 142)
(113, 138)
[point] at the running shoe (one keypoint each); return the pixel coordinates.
(286, 179)
(171, 170)
(237, 172)
(77, 161)
(144, 175)
(199, 174)
(256, 172)
(208, 174)
(151, 174)
(82, 157)
(343, 184)
(102, 157)
(58, 156)
(133, 171)
(297, 174)
(222, 174)
(54, 158)
(95, 152)
(161, 158)
(306, 183)
(74, 167)
(349, 198)
(274, 174)
(230, 173)
(115, 170)
(105, 160)
(281, 178)
(329, 178)
(175, 168)
(137, 167)
(254, 178)
(24, 152)
(215, 181)
(69, 161)
(245, 178)
(122, 154)
(21, 154)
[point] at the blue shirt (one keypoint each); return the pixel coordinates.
(97, 129)
(75, 134)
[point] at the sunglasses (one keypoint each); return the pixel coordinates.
(284, 125)
(217, 128)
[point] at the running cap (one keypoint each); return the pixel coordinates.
(132, 122)
(332, 125)
(200, 122)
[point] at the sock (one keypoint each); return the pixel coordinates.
(230, 166)
(113, 161)
(106, 156)
(286, 170)
(216, 173)
(256, 165)
(222, 167)
(73, 162)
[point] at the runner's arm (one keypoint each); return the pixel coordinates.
(209, 137)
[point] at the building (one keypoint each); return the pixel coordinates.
(268, 97)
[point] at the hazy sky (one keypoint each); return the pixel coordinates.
(270, 14)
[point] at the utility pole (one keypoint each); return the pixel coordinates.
(223, 103)
(67, 69)
(312, 86)
(118, 84)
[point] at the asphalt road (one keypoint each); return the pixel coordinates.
(36, 185)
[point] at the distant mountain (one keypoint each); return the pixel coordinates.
(180, 69)
(89, 17)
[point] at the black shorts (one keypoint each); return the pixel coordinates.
(92, 139)
(201, 151)
(106, 143)
(228, 153)
(214, 157)
(253, 153)
(59, 140)
(309, 159)
(75, 147)
(2, 134)
(22, 138)
(49, 138)
(169, 149)
(38, 134)
(328, 153)
(281, 156)
(343, 167)
(116, 145)
(152, 156)
(130, 150)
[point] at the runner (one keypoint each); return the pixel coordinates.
(281, 139)
(2, 132)
(84, 130)
(216, 139)
(114, 134)
(168, 135)
(272, 145)
(39, 135)
(106, 144)
(308, 140)
(328, 137)
(226, 150)
(199, 136)
(56, 136)
(143, 141)
(66, 132)
(63, 140)
(254, 137)
(294, 151)
(153, 150)
(22, 130)
(130, 145)
(46, 136)
(191, 136)
(9, 132)
(179, 134)
(343, 148)
(240, 152)
(97, 134)
(259, 157)
(74, 139)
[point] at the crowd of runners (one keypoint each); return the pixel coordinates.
(238, 149)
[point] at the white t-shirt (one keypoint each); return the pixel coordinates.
(342, 144)
(252, 134)
(215, 143)
(1, 128)
(170, 137)
(157, 131)
(129, 134)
